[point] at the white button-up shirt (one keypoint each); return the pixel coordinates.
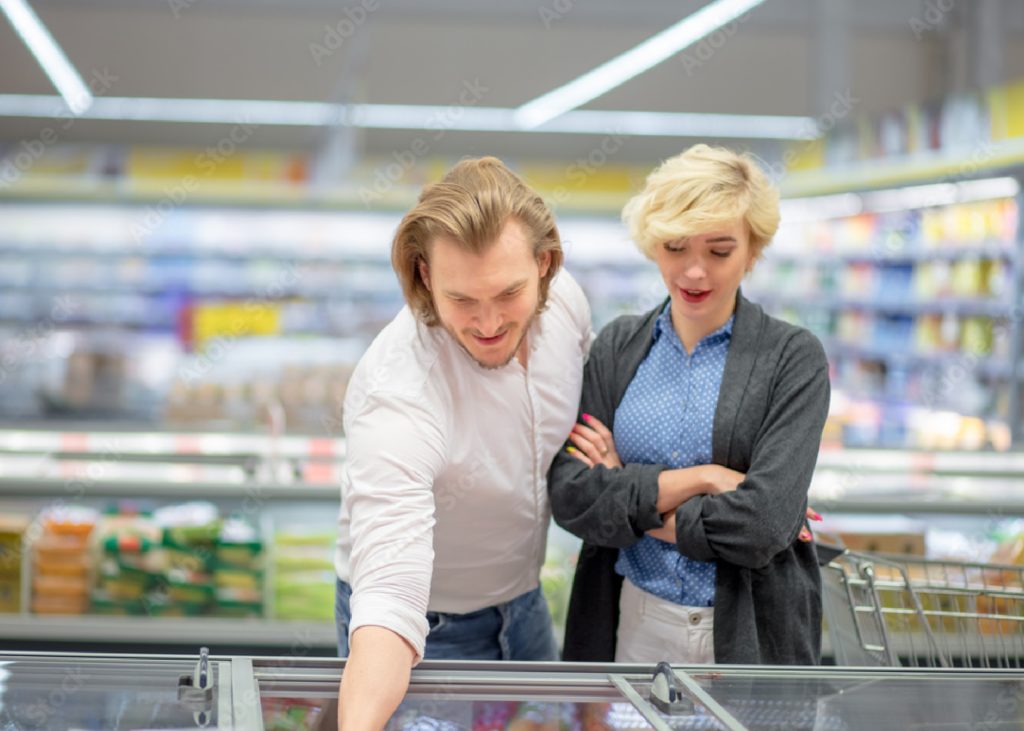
(444, 503)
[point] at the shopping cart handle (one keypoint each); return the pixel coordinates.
(828, 553)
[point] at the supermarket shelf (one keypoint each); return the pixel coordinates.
(174, 490)
(984, 365)
(898, 171)
(123, 442)
(936, 506)
(993, 464)
(217, 631)
(343, 292)
(263, 195)
(851, 490)
(941, 252)
(985, 307)
(131, 252)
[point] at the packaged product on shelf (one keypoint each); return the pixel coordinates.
(304, 577)
(238, 570)
(12, 533)
(189, 535)
(976, 336)
(969, 278)
(61, 562)
(998, 275)
(130, 565)
(928, 334)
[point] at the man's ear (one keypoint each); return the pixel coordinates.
(424, 273)
(544, 262)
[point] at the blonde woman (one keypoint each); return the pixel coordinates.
(699, 429)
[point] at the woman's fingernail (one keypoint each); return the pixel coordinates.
(587, 417)
(805, 536)
(815, 515)
(570, 450)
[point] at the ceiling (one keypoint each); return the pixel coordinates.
(788, 57)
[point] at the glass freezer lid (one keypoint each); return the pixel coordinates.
(844, 699)
(565, 697)
(59, 692)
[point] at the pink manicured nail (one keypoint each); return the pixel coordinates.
(587, 417)
(814, 515)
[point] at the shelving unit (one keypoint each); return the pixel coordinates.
(914, 292)
(38, 468)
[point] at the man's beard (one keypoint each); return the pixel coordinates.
(491, 366)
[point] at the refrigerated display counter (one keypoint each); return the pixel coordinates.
(74, 691)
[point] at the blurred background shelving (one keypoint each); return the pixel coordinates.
(185, 289)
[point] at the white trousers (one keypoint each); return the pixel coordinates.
(652, 629)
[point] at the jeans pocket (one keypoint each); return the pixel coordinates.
(436, 622)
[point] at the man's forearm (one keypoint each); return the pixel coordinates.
(375, 680)
(675, 487)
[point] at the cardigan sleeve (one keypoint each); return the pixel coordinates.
(763, 516)
(605, 507)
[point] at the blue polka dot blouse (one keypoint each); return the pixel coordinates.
(666, 417)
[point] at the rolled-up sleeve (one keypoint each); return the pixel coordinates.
(396, 449)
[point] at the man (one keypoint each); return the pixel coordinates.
(452, 419)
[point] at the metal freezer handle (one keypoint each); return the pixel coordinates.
(666, 696)
(196, 690)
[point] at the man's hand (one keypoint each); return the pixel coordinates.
(594, 444)
(375, 679)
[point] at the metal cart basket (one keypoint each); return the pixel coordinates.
(902, 610)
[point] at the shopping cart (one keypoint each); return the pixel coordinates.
(902, 610)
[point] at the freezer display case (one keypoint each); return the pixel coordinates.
(74, 691)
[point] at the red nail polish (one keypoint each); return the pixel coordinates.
(815, 515)
(587, 417)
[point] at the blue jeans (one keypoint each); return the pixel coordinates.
(517, 630)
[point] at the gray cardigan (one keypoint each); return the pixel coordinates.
(771, 410)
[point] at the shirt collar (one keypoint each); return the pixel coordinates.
(664, 324)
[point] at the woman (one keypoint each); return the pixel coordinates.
(700, 424)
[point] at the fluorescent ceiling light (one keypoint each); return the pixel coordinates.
(413, 117)
(633, 62)
(49, 55)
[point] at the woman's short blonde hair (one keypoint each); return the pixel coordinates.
(471, 206)
(699, 190)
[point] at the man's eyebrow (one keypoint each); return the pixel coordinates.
(511, 288)
(514, 286)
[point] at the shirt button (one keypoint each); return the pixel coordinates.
(694, 619)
